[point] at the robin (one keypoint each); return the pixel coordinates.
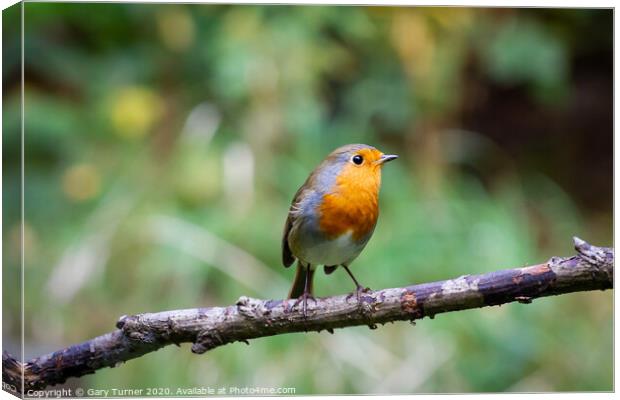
(332, 216)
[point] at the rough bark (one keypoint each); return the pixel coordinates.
(208, 328)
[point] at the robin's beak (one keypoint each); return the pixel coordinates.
(386, 157)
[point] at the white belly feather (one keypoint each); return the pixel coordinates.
(341, 250)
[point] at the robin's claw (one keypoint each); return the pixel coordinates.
(304, 300)
(364, 304)
(358, 294)
(359, 290)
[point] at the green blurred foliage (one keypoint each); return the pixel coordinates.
(164, 144)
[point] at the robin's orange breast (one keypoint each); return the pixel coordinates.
(352, 205)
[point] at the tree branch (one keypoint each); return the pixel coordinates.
(208, 328)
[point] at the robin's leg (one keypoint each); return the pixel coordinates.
(307, 294)
(358, 288)
(364, 308)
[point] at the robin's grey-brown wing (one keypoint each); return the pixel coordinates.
(287, 255)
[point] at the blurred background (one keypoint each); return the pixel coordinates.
(164, 144)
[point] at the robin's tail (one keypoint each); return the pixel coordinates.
(299, 284)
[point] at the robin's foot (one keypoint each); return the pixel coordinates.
(304, 300)
(359, 290)
(365, 306)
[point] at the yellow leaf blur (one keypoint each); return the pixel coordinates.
(176, 28)
(134, 110)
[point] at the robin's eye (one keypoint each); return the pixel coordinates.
(357, 159)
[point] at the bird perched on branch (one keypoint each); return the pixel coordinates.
(333, 215)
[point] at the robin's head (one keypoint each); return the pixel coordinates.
(358, 164)
(360, 156)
